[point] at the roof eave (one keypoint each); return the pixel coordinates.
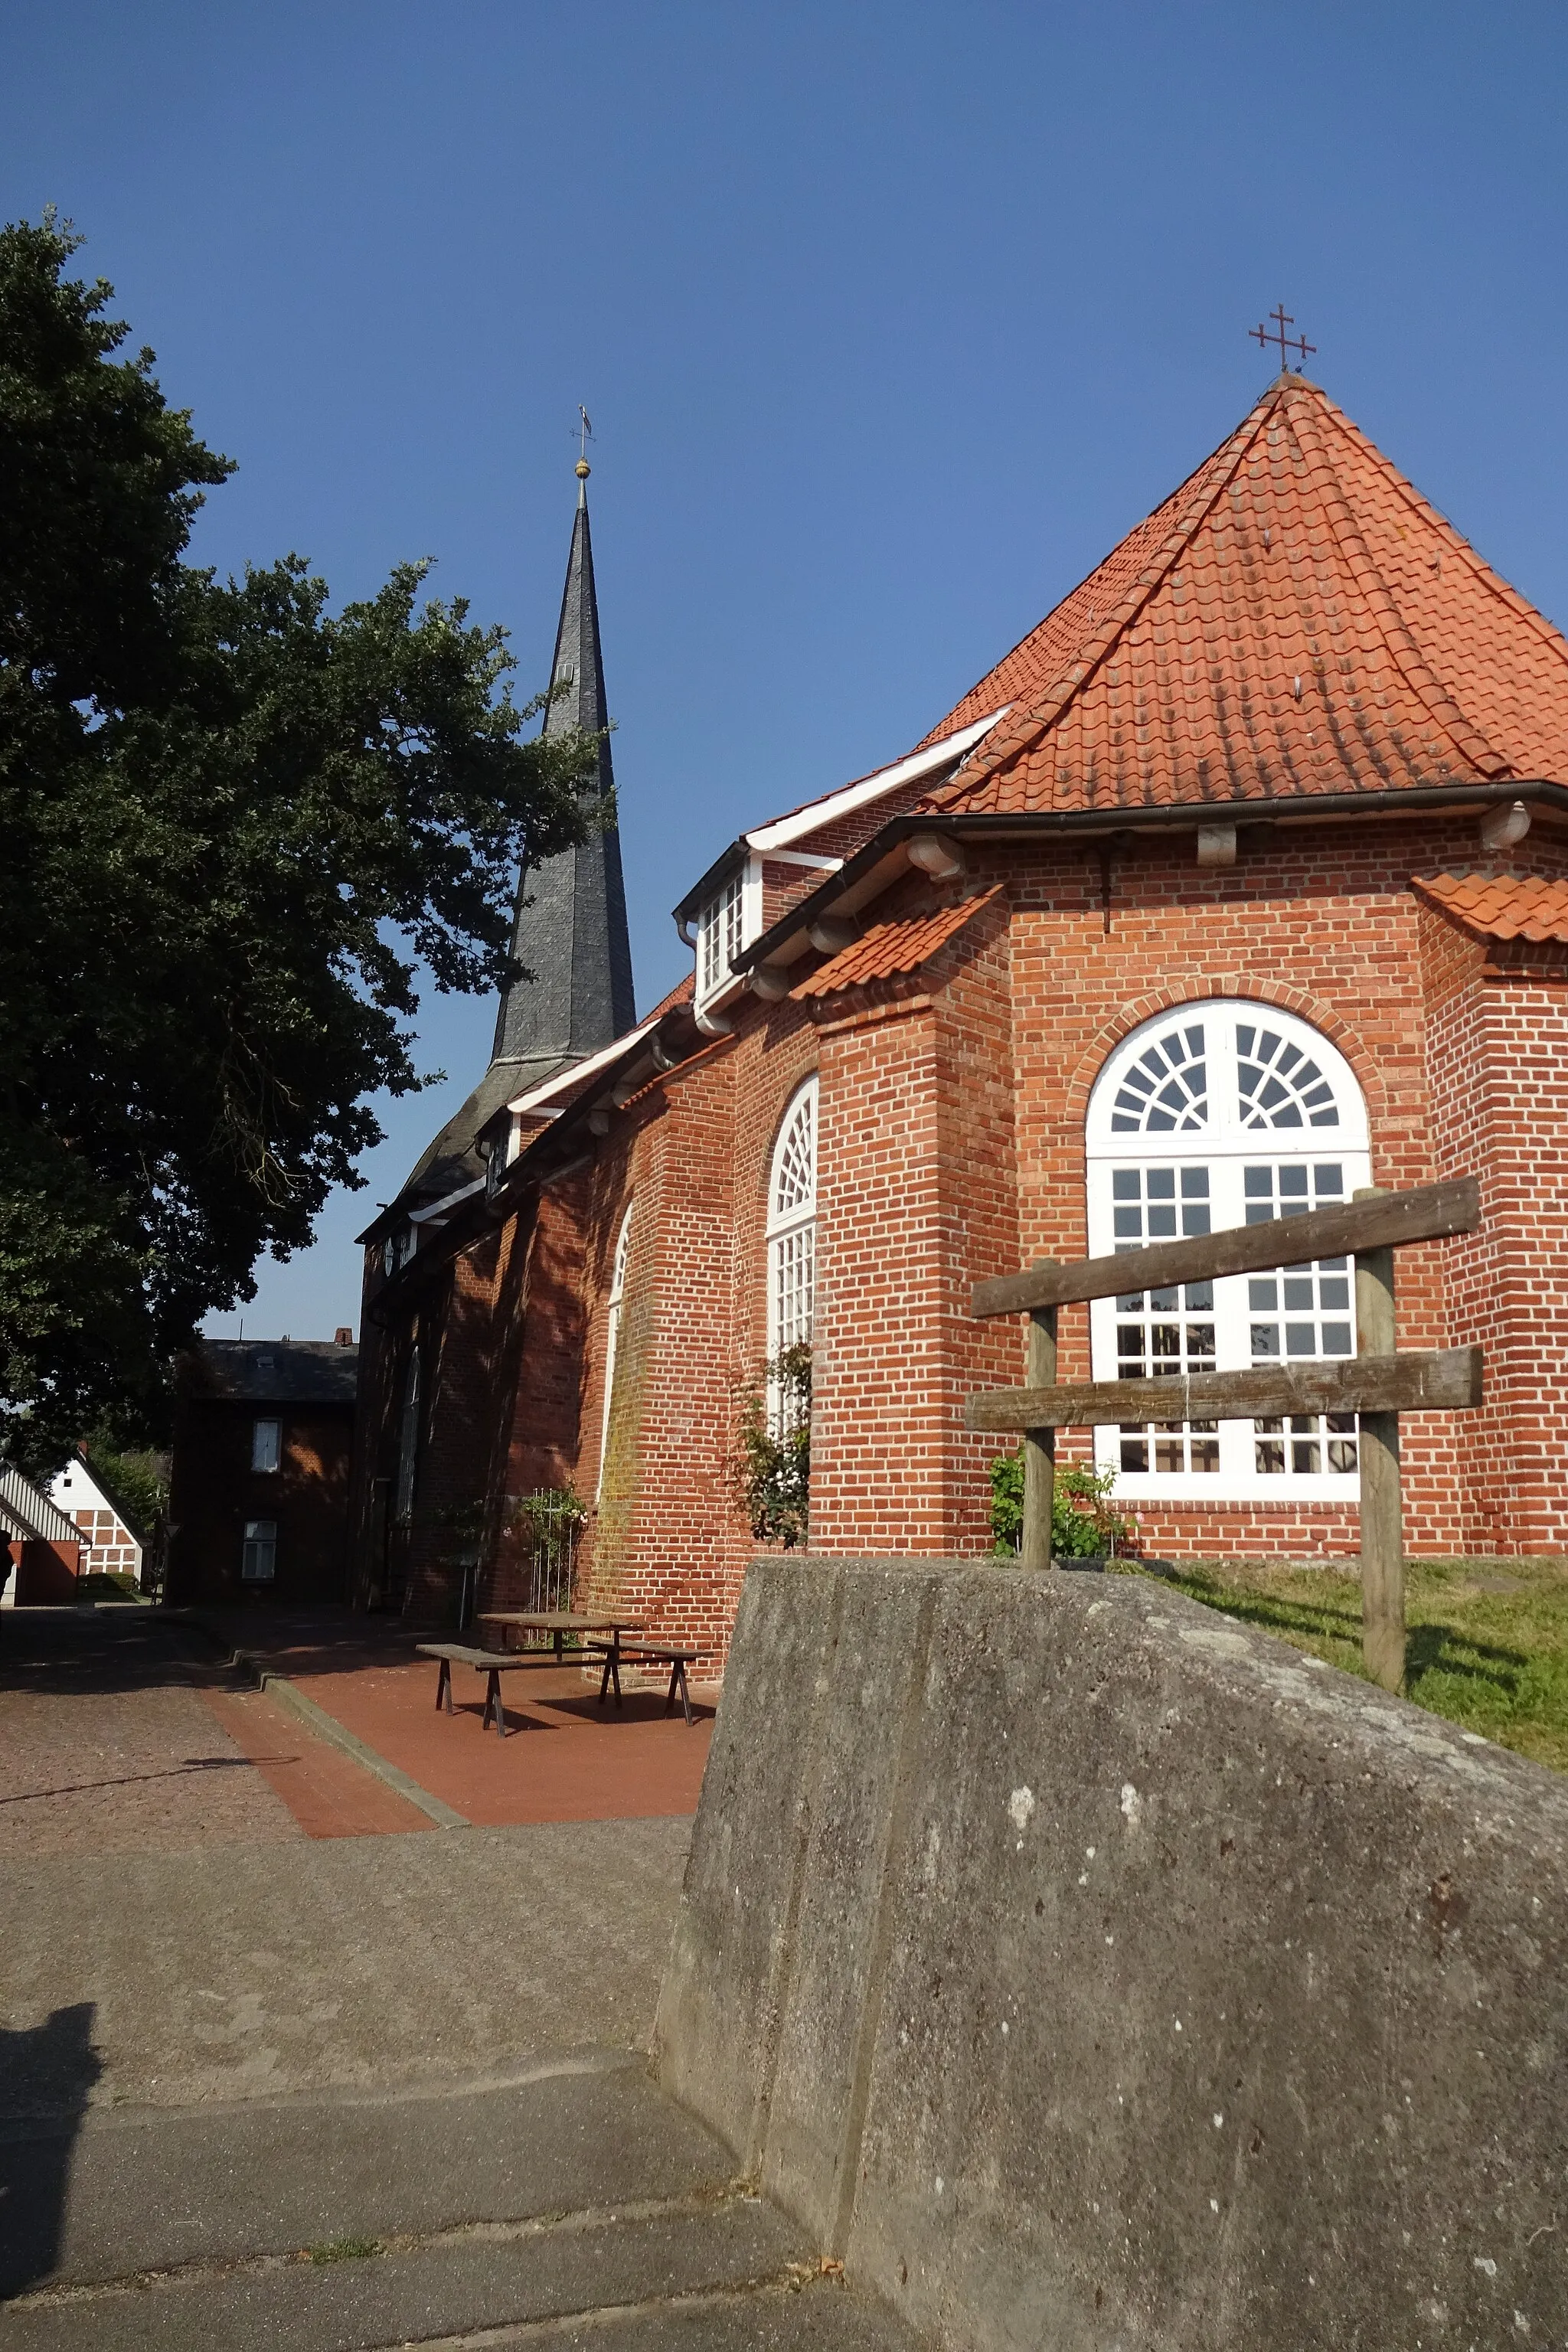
(883, 859)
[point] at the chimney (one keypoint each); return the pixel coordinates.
(344, 1336)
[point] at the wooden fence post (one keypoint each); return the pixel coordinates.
(1039, 1445)
(1381, 1529)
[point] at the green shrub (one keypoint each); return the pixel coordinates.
(775, 1475)
(1083, 1525)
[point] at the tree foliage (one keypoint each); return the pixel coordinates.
(232, 820)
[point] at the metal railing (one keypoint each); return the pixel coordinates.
(550, 1524)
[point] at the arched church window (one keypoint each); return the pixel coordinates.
(791, 1225)
(1224, 1113)
(613, 1334)
(409, 1442)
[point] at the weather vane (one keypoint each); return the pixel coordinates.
(1288, 343)
(584, 431)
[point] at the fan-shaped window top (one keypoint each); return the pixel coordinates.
(1166, 1089)
(792, 1233)
(794, 1158)
(1278, 1083)
(623, 1252)
(1212, 1115)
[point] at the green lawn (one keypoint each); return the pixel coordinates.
(1488, 1640)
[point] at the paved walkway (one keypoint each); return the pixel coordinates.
(565, 1757)
(273, 2074)
(119, 1733)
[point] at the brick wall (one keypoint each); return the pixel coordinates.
(214, 1491)
(952, 1148)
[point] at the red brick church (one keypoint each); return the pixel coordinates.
(1240, 883)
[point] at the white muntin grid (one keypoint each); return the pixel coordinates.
(791, 1236)
(1219, 1114)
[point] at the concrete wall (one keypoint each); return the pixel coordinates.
(1088, 1971)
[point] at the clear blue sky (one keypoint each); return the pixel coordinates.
(890, 319)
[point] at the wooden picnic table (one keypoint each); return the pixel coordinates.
(560, 1622)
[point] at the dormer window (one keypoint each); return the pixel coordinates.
(720, 935)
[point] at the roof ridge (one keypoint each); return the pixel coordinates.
(1490, 578)
(1404, 651)
(1217, 470)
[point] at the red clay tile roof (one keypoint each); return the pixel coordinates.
(888, 950)
(1296, 619)
(1524, 907)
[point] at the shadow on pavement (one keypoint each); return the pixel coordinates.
(49, 2071)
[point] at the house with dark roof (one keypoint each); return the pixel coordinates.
(259, 1475)
(1240, 884)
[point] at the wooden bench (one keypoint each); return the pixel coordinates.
(650, 1653)
(491, 1663)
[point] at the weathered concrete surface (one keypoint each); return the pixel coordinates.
(1093, 1972)
(249, 1971)
(577, 2199)
(148, 2189)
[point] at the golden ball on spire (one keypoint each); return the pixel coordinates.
(583, 470)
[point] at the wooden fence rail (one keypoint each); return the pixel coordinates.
(1377, 1383)
(1372, 1220)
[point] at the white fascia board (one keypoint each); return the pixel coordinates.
(803, 857)
(770, 837)
(439, 1208)
(538, 1096)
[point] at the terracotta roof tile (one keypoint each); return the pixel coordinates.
(888, 950)
(1500, 907)
(1295, 620)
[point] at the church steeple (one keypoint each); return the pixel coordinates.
(571, 928)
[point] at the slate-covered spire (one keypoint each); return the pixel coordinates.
(571, 928)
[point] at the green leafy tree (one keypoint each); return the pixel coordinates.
(232, 821)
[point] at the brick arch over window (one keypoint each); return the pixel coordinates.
(1240, 987)
(1218, 1111)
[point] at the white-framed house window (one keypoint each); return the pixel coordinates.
(613, 1336)
(792, 1229)
(258, 1552)
(726, 923)
(265, 1445)
(1224, 1113)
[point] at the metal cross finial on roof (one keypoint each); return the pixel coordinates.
(584, 433)
(1288, 343)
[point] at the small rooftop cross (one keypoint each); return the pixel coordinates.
(1288, 343)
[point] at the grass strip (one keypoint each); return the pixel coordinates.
(1487, 1641)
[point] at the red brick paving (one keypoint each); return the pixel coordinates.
(326, 1791)
(564, 1758)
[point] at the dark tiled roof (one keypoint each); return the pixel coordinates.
(273, 1372)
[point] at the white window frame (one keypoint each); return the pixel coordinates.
(791, 1250)
(1202, 1145)
(262, 1446)
(726, 925)
(407, 1443)
(613, 1336)
(258, 1552)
